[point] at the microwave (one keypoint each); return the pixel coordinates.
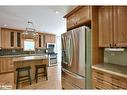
(50, 45)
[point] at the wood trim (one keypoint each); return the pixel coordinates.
(12, 29)
(97, 53)
(73, 11)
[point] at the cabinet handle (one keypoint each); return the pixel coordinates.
(110, 45)
(115, 45)
(115, 78)
(100, 73)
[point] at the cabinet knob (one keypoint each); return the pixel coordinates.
(115, 45)
(110, 45)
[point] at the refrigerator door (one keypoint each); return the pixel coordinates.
(73, 80)
(73, 53)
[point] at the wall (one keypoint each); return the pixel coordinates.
(58, 49)
(118, 57)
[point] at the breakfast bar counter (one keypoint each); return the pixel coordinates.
(28, 61)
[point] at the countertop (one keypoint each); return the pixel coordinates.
(118, 70)
(29, 58)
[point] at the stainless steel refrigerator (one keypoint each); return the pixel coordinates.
(76, 58)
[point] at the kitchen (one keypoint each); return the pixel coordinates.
(89, 54)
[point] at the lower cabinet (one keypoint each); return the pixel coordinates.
(102, 80)
(6, 64)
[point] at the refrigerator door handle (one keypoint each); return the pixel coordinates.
(72, 74)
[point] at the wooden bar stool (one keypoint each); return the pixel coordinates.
(38, 74)
(23, 78)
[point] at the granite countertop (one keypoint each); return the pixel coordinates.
(29, 58)
(118, 70)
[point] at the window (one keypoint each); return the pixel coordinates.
(29, 45)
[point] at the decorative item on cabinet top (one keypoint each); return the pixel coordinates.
(30, 32)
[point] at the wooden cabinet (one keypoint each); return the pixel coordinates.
(49, 38)
(102, 80)
(112, 26)
(6, 65)
(0, 39)
(11, 38)
(18, 38)
(39, 42)
(120, 26)
(105, 26)
(78, 16)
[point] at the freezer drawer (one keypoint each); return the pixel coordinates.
(73, 79)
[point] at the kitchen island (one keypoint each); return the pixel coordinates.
(28, 61)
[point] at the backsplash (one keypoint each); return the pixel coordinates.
(113, 57)
(20, 51)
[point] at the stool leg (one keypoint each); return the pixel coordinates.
(46, 72)
(36, 76)
(29, 76)
(17, 81)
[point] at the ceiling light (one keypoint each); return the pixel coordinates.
(30, 32)
(5, 25)
(56, 12)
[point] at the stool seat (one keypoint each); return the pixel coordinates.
(37, 74)
(23, 68)
(23, 78)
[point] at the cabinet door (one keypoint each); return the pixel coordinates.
(5, 38)
(71, 21)
(18, 40)
(0, 39)
(105, 26)
(120, 26)
(52, 39)
(47, 38)
(8, 38)
(40, 41)
(82, 15)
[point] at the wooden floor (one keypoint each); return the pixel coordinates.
(53, 82)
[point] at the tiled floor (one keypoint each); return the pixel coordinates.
(53, 82)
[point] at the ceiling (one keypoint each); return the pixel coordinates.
(44, 18)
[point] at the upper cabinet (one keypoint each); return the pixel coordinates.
(0, 40)
(50, 38)
(11, 38)
(105, 26)
(79, 16)
(120, 26)
(39, 42)
(112, 26)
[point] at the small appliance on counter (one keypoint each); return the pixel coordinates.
(51, 54)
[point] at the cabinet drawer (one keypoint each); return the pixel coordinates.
(101, 84)
(98, 83)
(115, 82)
(98, 74)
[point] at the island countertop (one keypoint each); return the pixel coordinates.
(29, 58)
